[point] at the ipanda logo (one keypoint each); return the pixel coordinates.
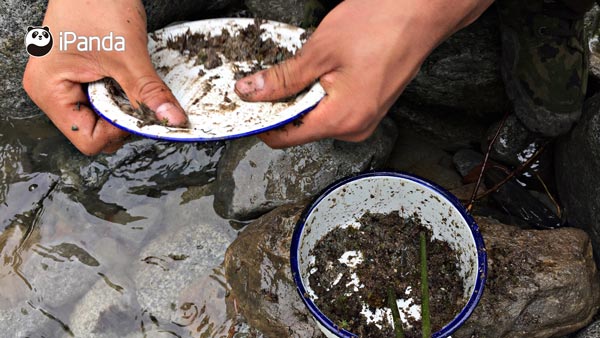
(39, 42)
(108, 43)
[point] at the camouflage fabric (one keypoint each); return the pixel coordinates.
(544, 62)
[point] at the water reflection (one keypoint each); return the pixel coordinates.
(126, 245)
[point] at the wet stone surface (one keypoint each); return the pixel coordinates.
(129, 244)
(114, 245)
(540, 283)
(253, 178)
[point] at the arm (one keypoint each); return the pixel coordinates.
(364, 53)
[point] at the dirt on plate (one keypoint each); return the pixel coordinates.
(245, 45)
(355, 268)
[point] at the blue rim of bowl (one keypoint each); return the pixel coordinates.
(201, 139)
(458, 320)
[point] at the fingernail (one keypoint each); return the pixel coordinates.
(249, 85)
(173, 114)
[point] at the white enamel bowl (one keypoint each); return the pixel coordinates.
(208, 120)
(344, 202)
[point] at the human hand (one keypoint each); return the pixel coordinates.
(54, 81)
(364, 53)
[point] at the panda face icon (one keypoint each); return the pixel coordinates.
(38, 41)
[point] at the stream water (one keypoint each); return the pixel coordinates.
(126, 245)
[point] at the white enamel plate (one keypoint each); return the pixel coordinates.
(214, 110)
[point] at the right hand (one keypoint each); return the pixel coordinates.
(54, 81)
(363, 53)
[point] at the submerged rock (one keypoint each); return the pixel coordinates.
(176, 261)
(578, 169)
(592, 331)
(106, 311)
(540, 283)
(253, 178)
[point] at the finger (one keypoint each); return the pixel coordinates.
(114, 145)
(142, 84)
(67, 107)
(284, 79)
(340, 115)
(315, 125)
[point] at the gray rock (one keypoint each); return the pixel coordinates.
(592, 331)
(106, 312)
(142, 168)
(253, 178)
(161, 13)
(28, 321)
(288, 11)
(464, 72)
(154, 165)
(578, 168)
(466, 160)
(414, 154)
(71, 263)
(540, 283)
(515, 143)
(177, 261)
(594, 42)
(258, 270)
(446, 129)
(295, 12)
(22, 199)
(16, 16)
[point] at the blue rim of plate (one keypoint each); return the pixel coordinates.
(309, 106)
(459, 319)
(202, 139)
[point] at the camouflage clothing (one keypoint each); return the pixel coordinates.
(544, 62)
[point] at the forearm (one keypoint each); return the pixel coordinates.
(432, 22)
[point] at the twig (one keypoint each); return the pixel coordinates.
(425, 316)
(515, 172)
(552, 199)
(485, 160)
(398, 330)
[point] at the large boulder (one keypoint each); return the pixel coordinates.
(578, 168)
(253, 179)
(445, 128)
(304, 13)
(258, 270)
(540, 283)
(466, 63)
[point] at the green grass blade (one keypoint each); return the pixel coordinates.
(398, 330)
(425, 315)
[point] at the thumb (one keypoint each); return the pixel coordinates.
(145, 86)
(280, 81)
